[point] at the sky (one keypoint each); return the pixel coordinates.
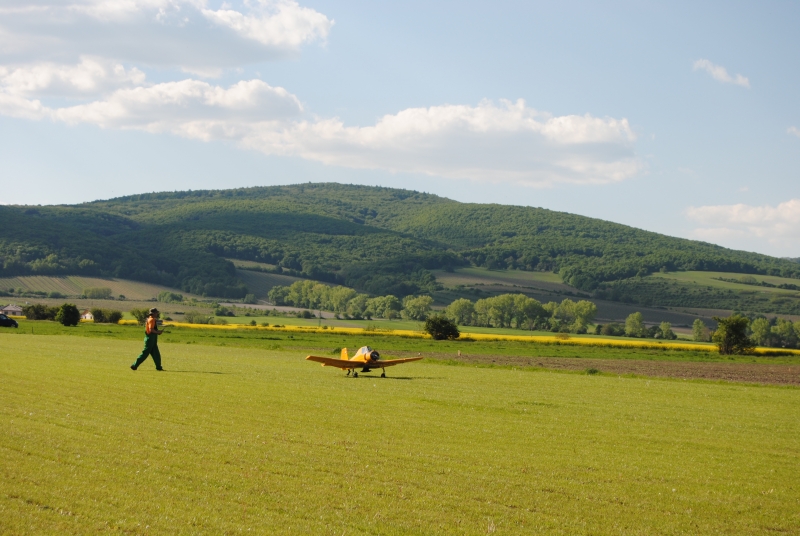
(675, 117)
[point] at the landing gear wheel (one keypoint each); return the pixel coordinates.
(355, 374)
(383, 375)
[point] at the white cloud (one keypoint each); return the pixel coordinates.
(778, 225)
(87, 61)
(794, 131)
(510, 142)
(181, 34)
(189, 108)
(284, 24)
(89, 77)
(720, 74)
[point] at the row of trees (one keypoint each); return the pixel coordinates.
(503, 311)
(521, 312)
(66, 314)
(635, 327)
(40, 311)
(775, 332)
(346, 301)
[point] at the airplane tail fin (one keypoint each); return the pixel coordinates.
(344, 354)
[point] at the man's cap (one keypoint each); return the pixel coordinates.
(154, 311)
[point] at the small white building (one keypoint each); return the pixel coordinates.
(11, 310)
(87, 315)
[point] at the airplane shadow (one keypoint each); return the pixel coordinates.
(396, 378)
(198, 371)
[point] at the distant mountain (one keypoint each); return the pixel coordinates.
(379, 240)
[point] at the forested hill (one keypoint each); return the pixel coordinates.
(379, 240)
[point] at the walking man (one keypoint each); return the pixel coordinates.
(151, 333)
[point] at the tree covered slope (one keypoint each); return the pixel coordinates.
(379, 240)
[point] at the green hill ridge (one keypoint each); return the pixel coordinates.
(378, 240)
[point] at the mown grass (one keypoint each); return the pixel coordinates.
(242, 439)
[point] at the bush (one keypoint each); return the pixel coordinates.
(441, 328)
(731, 335)
(250, 298)
(38, 311)
(193, 317)
(106, 316)
(56, 295)
(97, 293)
(170, 297)
(68, 315)
(140, 315)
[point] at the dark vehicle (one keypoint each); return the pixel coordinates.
(8, 322)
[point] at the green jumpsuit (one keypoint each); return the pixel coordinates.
(150, 349)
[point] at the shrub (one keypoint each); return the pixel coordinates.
(170, 297)
(731, 335)
(97, 293)
(56, 295)
(441, 328)
(249, 298)
(39, 311)
(194, 317)
(68, 315)
(106, 315)
(140, 315)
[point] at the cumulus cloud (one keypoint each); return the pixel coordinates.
(184, 34)
(720, 74)
(509, 142)
(89, 77)
(778, 225)
(190, 108)
(794, 131)
(89, 62)
(284, 24)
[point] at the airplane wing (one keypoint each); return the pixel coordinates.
(345, 364)
(391, 362)
(333, 362)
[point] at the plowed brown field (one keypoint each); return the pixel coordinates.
(732, 372)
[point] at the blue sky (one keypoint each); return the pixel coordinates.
(680, 118)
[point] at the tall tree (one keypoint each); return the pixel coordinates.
(731, 335)
(700, 332)
(761, 331)
(634, 325)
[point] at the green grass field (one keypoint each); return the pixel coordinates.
(243, 435)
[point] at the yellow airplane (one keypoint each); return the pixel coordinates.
(366, 358)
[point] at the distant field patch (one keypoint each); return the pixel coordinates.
(713, 279)
(483, 276)
(74, 286)
(260, 283)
